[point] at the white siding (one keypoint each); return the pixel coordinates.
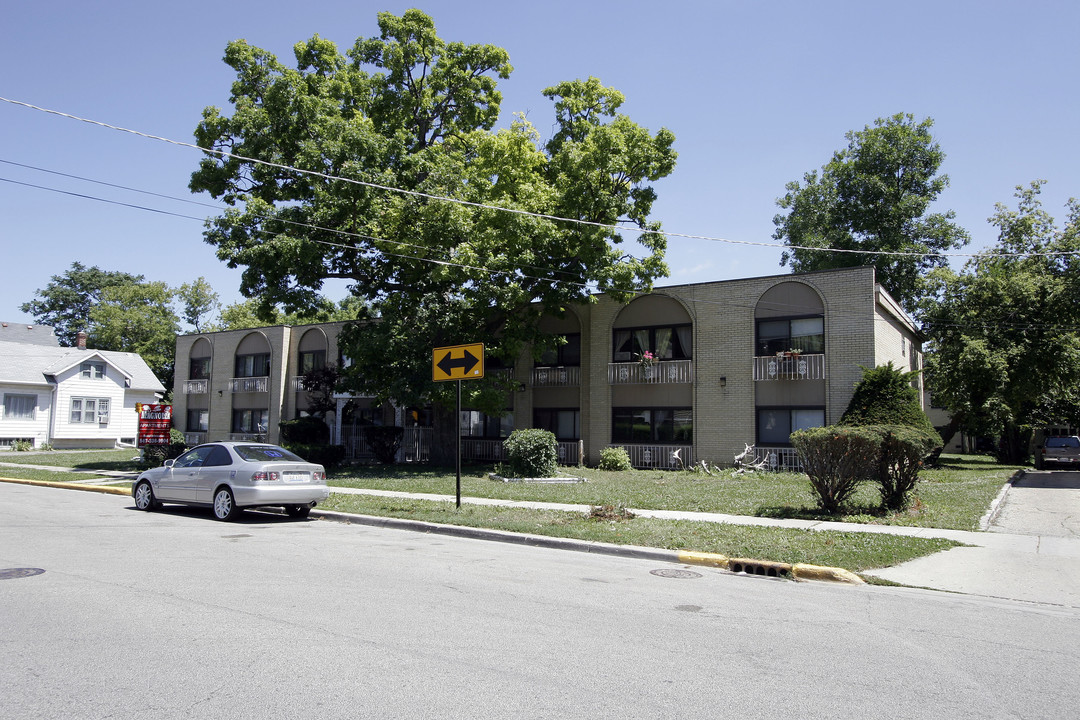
(71, 384)
(18, 428)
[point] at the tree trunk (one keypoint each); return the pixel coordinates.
(443, 436)
(1015, 446)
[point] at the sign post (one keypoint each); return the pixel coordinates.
(458, 362)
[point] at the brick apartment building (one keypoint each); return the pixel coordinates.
(737, 362)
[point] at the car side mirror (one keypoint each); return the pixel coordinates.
(170, 462)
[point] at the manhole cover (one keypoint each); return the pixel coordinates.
(676, 573)
(12, 573)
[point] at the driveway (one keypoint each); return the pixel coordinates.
(1030, 552)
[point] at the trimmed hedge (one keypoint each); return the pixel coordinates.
(837, 459)
(615, 458)
(326, 455)
(532, 453)
(304, 431)
(385, 441)
(903, 450)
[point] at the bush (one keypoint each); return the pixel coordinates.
(153, 456)
(304, 431)
(385, 441)
(532, 453)
(837, 459)
(884, 396)
(903, 450)
(328, 456)
(614, 458)
(22, 445)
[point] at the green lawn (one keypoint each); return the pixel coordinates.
(953, 496)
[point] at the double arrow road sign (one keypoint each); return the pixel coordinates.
(458, 362)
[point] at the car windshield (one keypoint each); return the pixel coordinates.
(265, 453)
(1063, 442)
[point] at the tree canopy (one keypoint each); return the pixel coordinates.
(1004, 352)
(874, 195)
(393, 127)
(66, 301)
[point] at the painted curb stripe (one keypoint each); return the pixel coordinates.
(108, 489)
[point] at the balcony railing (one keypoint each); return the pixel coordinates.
(559, 376)
(660, 456)
(780, 459)
(297, 384)
(248, 437)
(482, 449)
(665, 371)
(571, 452)
(194, 438)
(196, 387)
(789, 367)
(249, 384)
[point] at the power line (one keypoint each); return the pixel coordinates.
(542, 216)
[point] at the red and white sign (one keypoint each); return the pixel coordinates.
(155, 421)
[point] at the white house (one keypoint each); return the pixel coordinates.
(70, 397)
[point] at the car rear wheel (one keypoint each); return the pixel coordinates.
(144, 497)
(298, 511)
(225, 504)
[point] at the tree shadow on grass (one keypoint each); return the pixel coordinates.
(861, 513)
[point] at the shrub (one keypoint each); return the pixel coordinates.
(903, 450)
(304, 431)
(614, 458)
(22, 445)
(153, 456)
(837, 459)
(385, 440)
(328, 456)
(532, 453)
(884, 396)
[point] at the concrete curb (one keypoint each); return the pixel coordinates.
(107, 489)
(995, 506)
(766, 568)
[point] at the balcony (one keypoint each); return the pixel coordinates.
(194, 438)
(196, 387)
(789, 367)
(249, 385)
(559, 376)
(777, 459)
(664, 371)
(248, 437)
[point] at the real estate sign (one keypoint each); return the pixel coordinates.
(155, 421)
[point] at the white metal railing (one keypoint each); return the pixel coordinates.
(196, 387)
(778, 458)
(415, 444)
(571, 452)
(249, 384)
(482, 449)
(194, 438)
(297, 384)
(789, 367)
(559, 376)
(660, 456)
(664, 371)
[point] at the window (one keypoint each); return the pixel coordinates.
(670, 426)
(90, 410)
(253, 365)
(198, 420)
(199, 369)
(313, 360)
(478, 424)
(19, 407)
(93, 371)
(250, 421)
(775, 425)
(568, 354)
(665, 343)
(804, 334)
(218, 457)
(565, 424)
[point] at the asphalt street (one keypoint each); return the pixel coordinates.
(175, 615)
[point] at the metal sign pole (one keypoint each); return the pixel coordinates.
(459, 444)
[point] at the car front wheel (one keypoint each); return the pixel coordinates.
(225, 504)
(144, 497)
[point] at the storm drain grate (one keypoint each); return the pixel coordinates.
(13, 573)
(760, 567)
(675, 573)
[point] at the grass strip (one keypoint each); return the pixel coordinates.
(852, 551)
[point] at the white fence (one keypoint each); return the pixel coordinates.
(781, 459)
(249, 384)
(195, 387)
(802, 367)
(665, 371)
(415, 444)
(660, 456)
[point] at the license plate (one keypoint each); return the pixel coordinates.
(295, 477)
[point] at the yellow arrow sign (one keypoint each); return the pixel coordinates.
(458, 362)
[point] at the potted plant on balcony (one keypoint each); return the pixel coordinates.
(646, 361)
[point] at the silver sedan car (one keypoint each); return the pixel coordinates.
(230, 476)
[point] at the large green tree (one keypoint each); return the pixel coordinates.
(411, 111)
(1004, 351)
(65, 303)
(873, 196)
(138, 318)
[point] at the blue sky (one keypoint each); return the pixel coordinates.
(756, 94)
